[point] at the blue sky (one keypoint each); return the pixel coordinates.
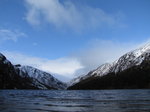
(70, 37)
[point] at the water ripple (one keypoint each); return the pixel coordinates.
(74, 101)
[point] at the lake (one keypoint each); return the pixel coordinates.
(74, 100)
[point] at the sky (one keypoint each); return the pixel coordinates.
(68, 38)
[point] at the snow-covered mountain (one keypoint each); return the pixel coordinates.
(100, 71)
(128, 60)
(9, 77)
(25, 77)
(43, 77)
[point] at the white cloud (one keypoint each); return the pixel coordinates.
(68, 14)
(14, 35)
(63, 66)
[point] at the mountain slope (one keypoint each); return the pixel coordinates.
(9, 77)
(43, 77)
(100, 71)
(25, 77)
(119, 73)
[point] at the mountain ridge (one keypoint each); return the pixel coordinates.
(25, 77)
(131, 59)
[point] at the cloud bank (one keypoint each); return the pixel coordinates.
(68, 14)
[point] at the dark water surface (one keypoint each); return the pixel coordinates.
(74, 101)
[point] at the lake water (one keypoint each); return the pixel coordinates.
(74, 101)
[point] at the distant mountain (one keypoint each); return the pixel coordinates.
(43, 77)
(131, 70)
(25, 77)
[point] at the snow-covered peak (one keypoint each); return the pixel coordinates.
(132, 58)
(141, 50)
(42, 77)
(145, 47)
(27, 76)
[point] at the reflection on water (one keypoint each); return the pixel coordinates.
(75, 101)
